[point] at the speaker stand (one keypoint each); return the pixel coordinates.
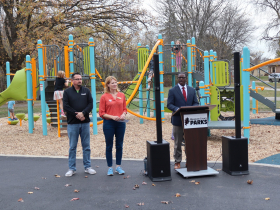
(208, 172)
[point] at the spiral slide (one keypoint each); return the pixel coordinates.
(17, 91)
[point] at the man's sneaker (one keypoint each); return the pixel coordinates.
(110, 172)
(70, 172)
(119, 170)
(90, 170)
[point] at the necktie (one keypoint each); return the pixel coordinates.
(184, 94)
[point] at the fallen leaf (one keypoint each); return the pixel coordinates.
(74, 199)
(136, 186)
(153, 185)
(197, 183)
(36, 188)
(178, 195)
(192, 181)
(166, 202)
(86, 176)
(44, 178)
(97, 166)
(76, 191)
(144, 183)
(140, 204)
(30, 192)
(267, 199)
(126, 206)
(126, 177)
(218, 169)
(67, 185)
(20, 200)
(57, 176)
(250, 181)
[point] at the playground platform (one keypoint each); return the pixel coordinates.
(265, 121)
(20, 175)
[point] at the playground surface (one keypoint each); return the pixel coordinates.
(15, 140)
(21, 175)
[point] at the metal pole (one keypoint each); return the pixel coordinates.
(148, 91)
(173, 64)
(93, 85)
(246, 94)
(29, 94)
(140, 87)
(158, 99)
(237, 94)
(189, 59)
(160, 57)
(8, 76)
(254, 100)
(42, 87)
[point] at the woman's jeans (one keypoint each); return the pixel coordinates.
(113, 128)
(74, 130)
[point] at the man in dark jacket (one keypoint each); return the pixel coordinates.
(78, 103)
(180, 95)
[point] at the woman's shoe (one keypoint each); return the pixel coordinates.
(110, 172)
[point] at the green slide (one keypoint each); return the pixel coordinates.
(17, 91)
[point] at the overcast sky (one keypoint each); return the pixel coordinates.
(258, 19)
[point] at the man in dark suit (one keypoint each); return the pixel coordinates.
(178, 96)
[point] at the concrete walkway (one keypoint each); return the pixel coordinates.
(20, 175)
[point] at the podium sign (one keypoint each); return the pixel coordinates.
(195, 121)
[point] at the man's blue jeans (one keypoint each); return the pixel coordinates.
(74, 130)
(113, 128)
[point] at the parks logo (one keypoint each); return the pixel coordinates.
(195, 120)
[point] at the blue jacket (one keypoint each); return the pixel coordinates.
(176, 100)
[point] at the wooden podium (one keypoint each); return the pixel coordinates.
(195, 125)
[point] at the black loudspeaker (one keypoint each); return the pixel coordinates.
(158, 161)
(235, 155)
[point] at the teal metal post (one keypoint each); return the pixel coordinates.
(8, 77)
(160, 52)
(254, 104)
(206, 82)
(202, 94)
(210, 62)
(206, 73)
(42, 87)
(173, 64)
(93, 85)
(140, 90)
(193, 59)
(71, 54)
(148, 92)
(29, 94)
(246, 90)
(189, 59)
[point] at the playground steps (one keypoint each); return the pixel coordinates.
(53, 114)
(263, 100)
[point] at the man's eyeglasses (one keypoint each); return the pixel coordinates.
(181, 77)
(78, 79)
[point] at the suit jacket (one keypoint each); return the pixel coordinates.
(176, 100)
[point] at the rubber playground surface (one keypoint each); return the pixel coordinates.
(21, 175)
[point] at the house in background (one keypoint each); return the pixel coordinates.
(274, 67)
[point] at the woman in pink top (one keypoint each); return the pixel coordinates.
(112, 109)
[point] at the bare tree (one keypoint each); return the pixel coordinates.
(217, 25)
(272, 31)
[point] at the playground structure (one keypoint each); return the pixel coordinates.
(202, 67)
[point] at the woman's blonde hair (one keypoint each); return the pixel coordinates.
(60, 74)
(107, 81)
